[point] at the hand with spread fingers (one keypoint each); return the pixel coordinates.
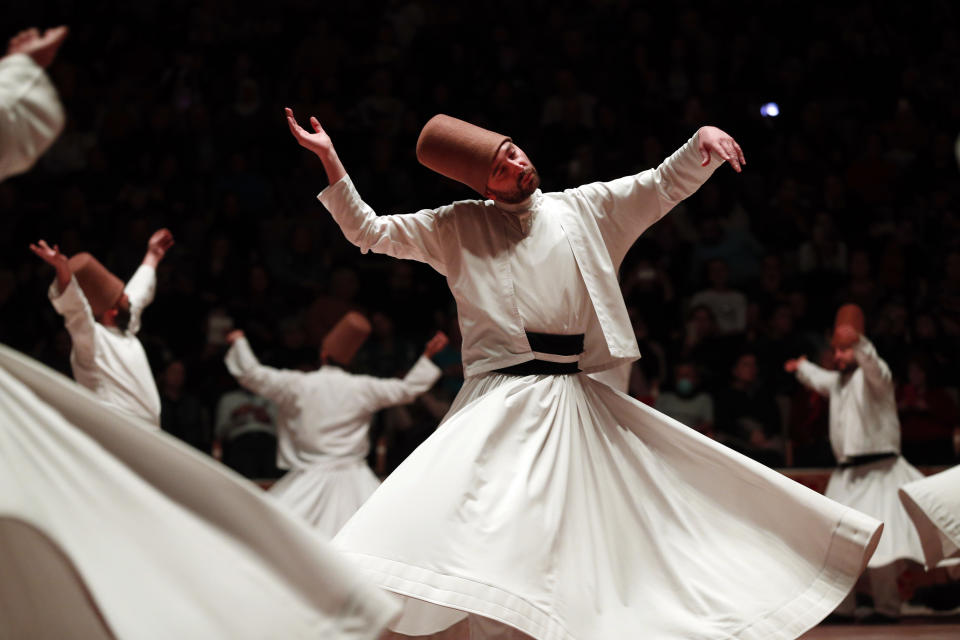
(714, 140)
(319, 143)
(41, 47)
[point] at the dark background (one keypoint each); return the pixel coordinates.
(175, 119)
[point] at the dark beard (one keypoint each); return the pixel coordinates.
(123, 319)
(521, 193)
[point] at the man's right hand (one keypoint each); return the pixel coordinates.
(53, 257)
(234, 335)
(42, 48)
(436, 344)
(50, 255)
(790, 366)
(318, 141)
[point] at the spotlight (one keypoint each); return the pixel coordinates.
(770, 110)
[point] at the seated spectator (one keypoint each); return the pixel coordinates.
(729, 306)
(685, 402)
(747, 417)
(702, 344)
(928, 416)
(246, 434)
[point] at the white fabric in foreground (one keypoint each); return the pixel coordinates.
(165, 542)
(569, 511)
(934, 506)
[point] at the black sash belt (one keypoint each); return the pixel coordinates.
(569, 345)
(857, 461)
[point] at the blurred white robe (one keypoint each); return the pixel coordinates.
(323, 426)
(110, 531)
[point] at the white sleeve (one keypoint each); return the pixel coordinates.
(31, 116)
(77, 317)
(389, 392)
(875, 370)
(140, 291)
(816, 378)
(411, 236)
(277, 385)
(626, 207)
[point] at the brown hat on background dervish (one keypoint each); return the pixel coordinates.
(849, 315)
(101, 288)
(346, 338)
(459, 150)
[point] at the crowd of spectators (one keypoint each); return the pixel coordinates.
(850, 195)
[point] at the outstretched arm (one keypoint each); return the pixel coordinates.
(414, 236)
(68, 299)
(319, 143)
(810, 375)
(626, 207)
(31, 116)
(143, 285)
(389, 392)
(274, 384)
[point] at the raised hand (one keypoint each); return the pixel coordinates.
(318, 141)
(713, 140)
(436, 344)
(234, 335)
(42, 48)
(50, 255)
(790, 366)
(53, 257)
(160, 242)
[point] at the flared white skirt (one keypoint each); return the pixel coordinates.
(569, 511)
(872, 489)
(933, 504)
(326, 495)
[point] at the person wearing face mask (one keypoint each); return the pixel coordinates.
(686, 403)
(865, 437)
(102, 316)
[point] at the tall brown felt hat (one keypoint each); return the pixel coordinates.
(850, 315)
(459, 150)
(346, 338)
(101, 288)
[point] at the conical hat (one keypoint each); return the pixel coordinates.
(459, 150)
(101, 288)
(849, 315)
(346, 338)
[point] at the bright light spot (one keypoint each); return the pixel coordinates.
(770, 110)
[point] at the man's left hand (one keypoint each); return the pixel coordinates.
(713, 140)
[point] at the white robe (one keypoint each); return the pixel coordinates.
(863, 421)
(106, 360)
(934, 506)
(108, 531)
(556, 505)
(323, 429)
(31, 116)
